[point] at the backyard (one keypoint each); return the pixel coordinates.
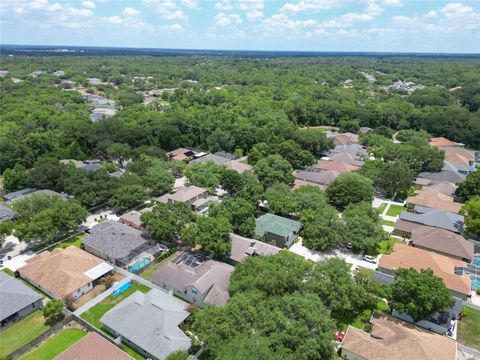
(21, 333)
(55, 345)
(95, 313)
(147, 274)
(469, 328)
(395, 210)
(75, 240)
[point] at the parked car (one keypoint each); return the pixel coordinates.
(370, 259)
(349, 246)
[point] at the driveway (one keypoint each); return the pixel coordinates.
(91, 219)
(12, 247)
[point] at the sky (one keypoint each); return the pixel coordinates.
(305, 25)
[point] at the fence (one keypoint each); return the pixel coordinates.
(32, 344)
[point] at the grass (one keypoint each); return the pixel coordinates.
(362, 321)
(388, 223)
(75, 240)
(395, 210)
(385, 246)
(131, 352)
(55, 345)
(94, 314)
(469, 328)
(147, 274)
(21, 333)
(382, 207)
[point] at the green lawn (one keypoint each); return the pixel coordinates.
(395, 210)
(22, 333)
(95, 313)
(74, 240)
(147, 274)
(469, 328)
(132, 352)
(55, 345)
(388, 223)
(385, 246)
(382, 207)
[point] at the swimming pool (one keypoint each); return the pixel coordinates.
(475, 280)
(122, 288)
(139, 265)
(476, 260)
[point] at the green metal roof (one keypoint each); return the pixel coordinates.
(276, 225)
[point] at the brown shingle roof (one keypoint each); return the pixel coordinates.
(442, 187)
(338, 166)
(406, 226)
(61, 271)
(394, 339)
(404, 256)
(458, 155)
(443, 241)
(93, 347)
(434, 200)
(441, 142)
(322, 177)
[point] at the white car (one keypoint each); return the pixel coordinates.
(370, 259)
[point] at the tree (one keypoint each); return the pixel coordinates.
(309, 197)
(211, 234)
(349, 188)
(47, 173)
(67, 215)
(322, 228)
(293, 153)
(231, 181)
(14, 179)
(128, 196)
(120, 152)
(247, 346)
(349, 298)
(280, 200)
(466, 189)
(273, 275)
(362, 227)
(352, 126)
(391, 177)
(313, 140)
(178, 355)
(419, 294)
(273, 169)
(205, 175)
(52, 312)
(165, 221)
(239, 212)
(472, 220)
(159, 180)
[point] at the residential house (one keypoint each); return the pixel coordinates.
(347, 158)
(93, 347)
(337, 166)
(121, 245)
(441, 187)
(7, 214)
(394, 339)
(441, 142)
(354, 149)
(149, 323)
(442, 322)
(132, 218)
(62, 273)
(405, 257)
(195, 279)
(448, 173)
(223, 158)
(461, 159)
(434, 200)
(87, 165)
(182, 154)
(319, 177)
(298, 183)
(277, 230)
(17, 300)
(24, 193)
(409, 221)
(243, 247)
(187, 195)
(343, 139)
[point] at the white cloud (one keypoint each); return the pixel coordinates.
(172, 27)
(115, 20)
(456, 9)
(222, 19)
(393, 2)
(223, 5)
(176, 15)
(131, 11)
(250, 4)
(254, 15)
(431, 14)
(191, 4)
(309, 5)
(167, 9)
(88, 4)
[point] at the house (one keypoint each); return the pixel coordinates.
(443, 242)
(58, 73)
(298, 183)
(320, 177)
(132, 218)
(186, 195)
(93, 347)
(24, 193)
(61, 273)
(365, 129)
(337, 166)
(409, 221)
(434, 200)
(243, 247)
(448, 173)
(17, 300)
(343, 139)
(440, 322)
(195, 279)
(182, 154)
(223, 158)
(87, 165)
(354, 149)
(442, 142)
(461, 159)
(238, 166)
(149, 323)
(394, 339)
(277, 229)
(347, 158)
(441, 187)
(120, 244)
(405, 257)
(7, 214)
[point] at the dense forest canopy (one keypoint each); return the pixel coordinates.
(228, 103)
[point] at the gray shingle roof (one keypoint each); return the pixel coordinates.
(6, 213)
(14, 295)
(452, 176)
(114, 239)
(16, 194)
(436, 218)
(243, 247)
(151, 322)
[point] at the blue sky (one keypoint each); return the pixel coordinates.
(315, 25)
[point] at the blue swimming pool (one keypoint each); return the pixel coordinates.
(139, 265)
(122, 289)
(476, 260)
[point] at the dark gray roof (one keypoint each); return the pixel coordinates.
(91, 165)
(452, 176)
(243, 247)
(216, 159)
(150, 321)
(115, 239)
(225, 155)
(354, 149)
(21, 194)
(14, 295)
(16, 194)
(436, 218)
(6, 213)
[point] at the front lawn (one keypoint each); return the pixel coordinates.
(395, 210)
(469, 328)
(21, 333)
(75, 240)
(94, 314)
(55, 345)
(382, 207)
(388, 223)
